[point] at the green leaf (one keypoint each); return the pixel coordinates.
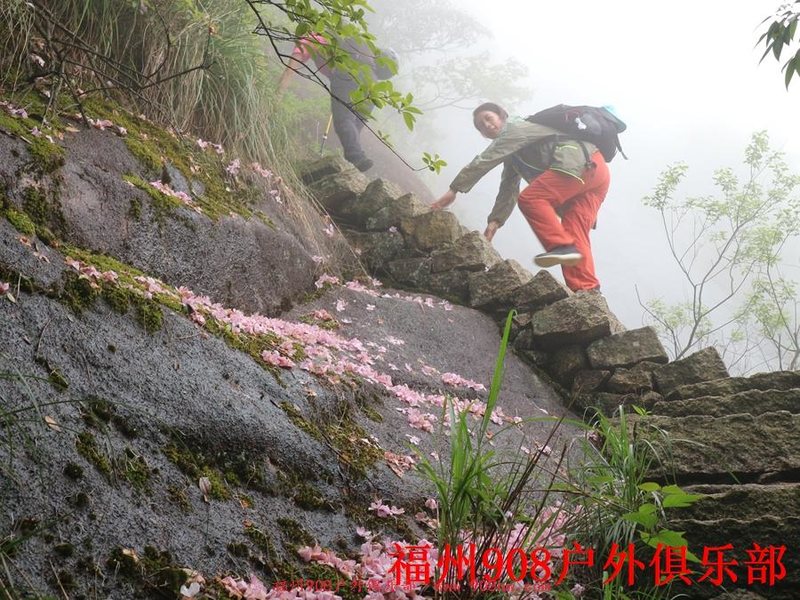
(645, 520)
(666, 537)
(790, 71)
(408, 118)
(680, 500)
(600, 479)
(648, 508)
(649, 486)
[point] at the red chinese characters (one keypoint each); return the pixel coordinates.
(463, 566)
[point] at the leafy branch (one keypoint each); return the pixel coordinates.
(779, 35)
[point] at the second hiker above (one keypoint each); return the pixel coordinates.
(567, 181)
(347, 120)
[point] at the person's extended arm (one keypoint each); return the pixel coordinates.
(444, 200)
(300, 54)
(469, 175)
(516, 136)
(491, 229)
(283, 82)
(506, 196)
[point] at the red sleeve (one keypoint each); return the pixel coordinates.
(300, 52)
(305, 45)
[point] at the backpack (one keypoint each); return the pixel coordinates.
(597, 125)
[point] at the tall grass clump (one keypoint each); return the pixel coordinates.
(16, 26)
(494, 505)
(191, 64)
(618, 507)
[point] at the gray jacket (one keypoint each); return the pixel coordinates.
(526, 150)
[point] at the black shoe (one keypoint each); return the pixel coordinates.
(560, 255)
(364, 164)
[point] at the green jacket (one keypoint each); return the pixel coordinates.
(526, 150)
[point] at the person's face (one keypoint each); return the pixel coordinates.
(489, 123)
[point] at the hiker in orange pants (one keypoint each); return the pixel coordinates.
(566, 178)
(577, 200)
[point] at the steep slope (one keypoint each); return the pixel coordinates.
(147, 428)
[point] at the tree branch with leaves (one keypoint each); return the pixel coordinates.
(780, 35)
(728, 248)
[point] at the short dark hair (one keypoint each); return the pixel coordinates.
(491, 107)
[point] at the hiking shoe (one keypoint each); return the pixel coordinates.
(560, 255)
(364, 164)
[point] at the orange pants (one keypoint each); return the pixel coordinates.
(577, 201)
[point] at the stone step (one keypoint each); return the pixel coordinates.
(779, 380)
(754, 402)
(741, 515)
(730, 449)
(770, 533)
(746, 501)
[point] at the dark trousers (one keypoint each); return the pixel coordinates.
(346, 123)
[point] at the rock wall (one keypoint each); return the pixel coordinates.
(252, 245)
(146, 430)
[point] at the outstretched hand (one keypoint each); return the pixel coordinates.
(446, 200)
(491, 229)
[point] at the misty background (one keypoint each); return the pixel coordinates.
(684, 76)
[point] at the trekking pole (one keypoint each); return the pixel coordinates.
(325, 135)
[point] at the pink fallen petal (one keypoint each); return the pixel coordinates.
(255, 589)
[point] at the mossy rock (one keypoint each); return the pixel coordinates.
(21, 221)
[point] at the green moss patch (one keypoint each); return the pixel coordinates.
(133, 468)
(97, 412)
(87, 447)
(78, 294)
(154, 146)
(41, 210)
(121, 295)
(303, 494)
(179, 497)
(266, 554)
(293, 534)
(149, 314)
(328, 323)
(155, 572)
(20, 221)
(194, 465)
(46, 156)
(343, 435)
(162, 204)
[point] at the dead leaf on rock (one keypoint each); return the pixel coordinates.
(205, 487)
(131, 553)
(51, 423)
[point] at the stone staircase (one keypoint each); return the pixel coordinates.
(735, 439)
